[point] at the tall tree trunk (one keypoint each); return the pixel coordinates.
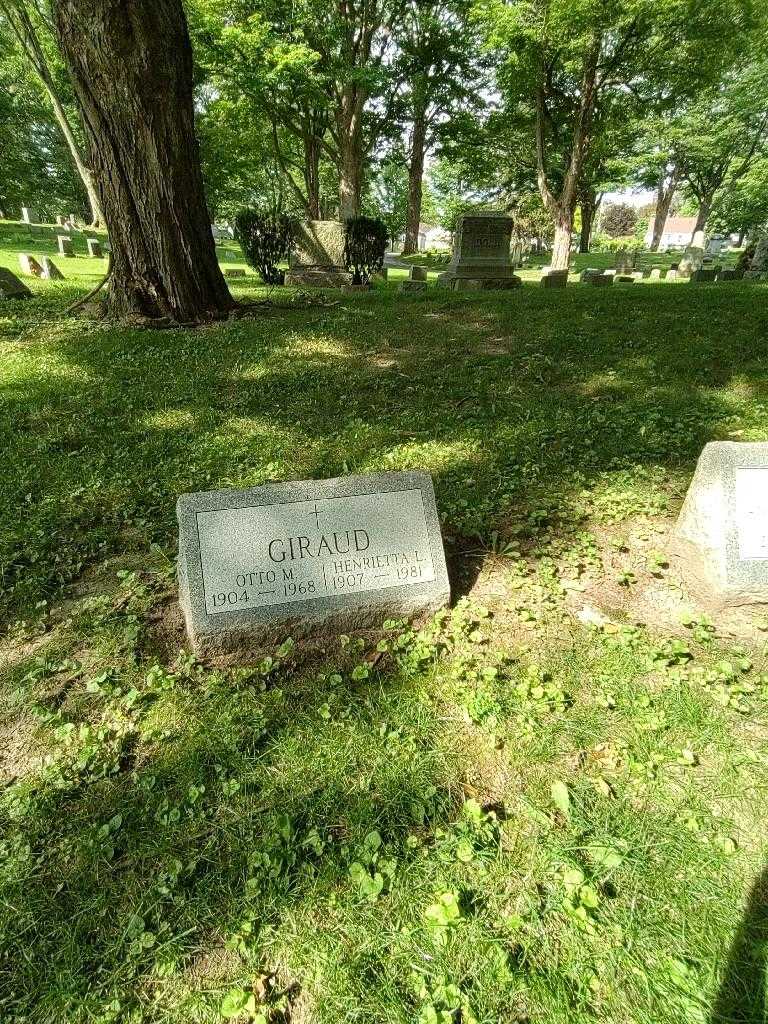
(562, 207)
(21, 24)
(705, 208)
(561, 247)
(86, 175)
(665, 193)
(350, 135)
(415, 178)
(588, 208)
(131, 65)
(312, 148)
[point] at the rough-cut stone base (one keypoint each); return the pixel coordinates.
(247, 645)
(320, 277)
(478, 284)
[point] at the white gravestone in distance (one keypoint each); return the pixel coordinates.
(721, 536)
(298, 557)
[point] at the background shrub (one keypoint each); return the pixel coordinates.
(265, 236)
(366, 244)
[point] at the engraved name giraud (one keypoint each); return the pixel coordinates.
(307, 550)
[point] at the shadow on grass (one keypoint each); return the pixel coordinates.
(514, 404)
(742, 995)
(249, 807)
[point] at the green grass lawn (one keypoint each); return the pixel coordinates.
(546, 805)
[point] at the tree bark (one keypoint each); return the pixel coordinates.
(561, 247)
(131, 65)
(588, 209)
(664, 195)
(312, 148)
(22, 27)
(349, 121)
(415, 178)
(705, 208)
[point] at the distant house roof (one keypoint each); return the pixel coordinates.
(679, 225)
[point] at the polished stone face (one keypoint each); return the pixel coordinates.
(721, 536)
(296, 557)
(751, 505)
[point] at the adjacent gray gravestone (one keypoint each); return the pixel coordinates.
(94, 247)
(50, 271)
(599, 280)
(693, 259)
(61, 220)
(589, 272)
(410, 287)
(418, 274)
(11, 287)
(702, 275)
(481, 252)
(65, 245)
(720, 541)
(656, 274)
(29, 265)
(305, 556)
(28, 215)
(623, 264)
(317, 255)
(729, 275)
(554, 279)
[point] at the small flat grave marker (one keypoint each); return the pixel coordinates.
(29, 265)
(306, 556)
(50, 271)
(721, 536)
(65, 245)
(554, 278)
(11, 287)
(94, 247)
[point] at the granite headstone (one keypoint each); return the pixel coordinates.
(50, 271)
(301, 557)
(317, 255)
(481, 252)
(29, 265)
(11, 287)
(720, 540)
